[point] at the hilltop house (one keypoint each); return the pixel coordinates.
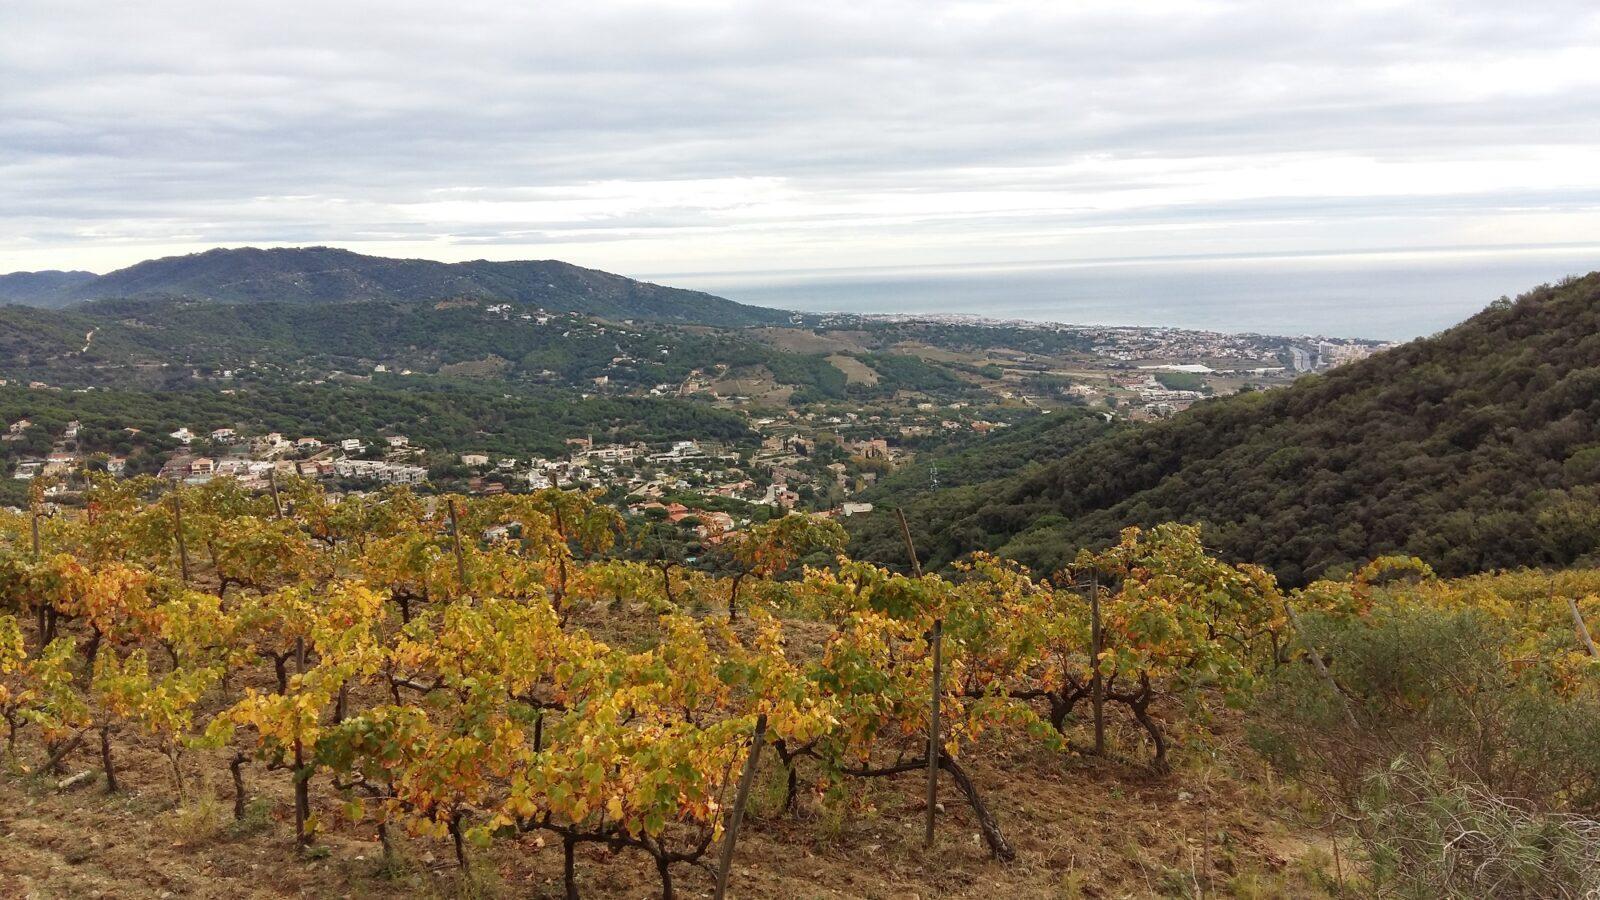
(271, 445)
(60, 463)
(877, 448)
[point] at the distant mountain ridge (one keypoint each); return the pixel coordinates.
(329, 275)
(41, 288)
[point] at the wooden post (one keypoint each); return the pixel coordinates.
(177, 527)
(44, 616)
(455, 536)
(1097, 686)
(911, 550)
(1316, 661)
(736, 815)
(935, 750)
(1582, 627)
(935, 640)
(272, 481)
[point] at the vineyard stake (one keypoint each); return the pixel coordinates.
(935, 638)
(272, 482)
(1583, 627)
(911, 550)
(1316, 661)
(1097, 684)
(736, 815)
(177, 527)
(44, 629)
(455, 536)
(933, 733)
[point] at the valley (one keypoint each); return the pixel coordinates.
(476, 596)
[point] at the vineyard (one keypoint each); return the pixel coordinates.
(473, 674)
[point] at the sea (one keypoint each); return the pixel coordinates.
(1388, 296)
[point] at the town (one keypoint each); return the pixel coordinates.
(804, 449)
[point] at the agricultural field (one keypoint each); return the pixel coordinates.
(210, 691)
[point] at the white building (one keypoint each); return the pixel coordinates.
(612, 454)
(377, 470)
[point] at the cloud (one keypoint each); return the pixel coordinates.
(685, 136)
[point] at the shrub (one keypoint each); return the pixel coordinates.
(1452, 685)
(1429, 835)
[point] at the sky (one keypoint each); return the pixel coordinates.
(738, 137)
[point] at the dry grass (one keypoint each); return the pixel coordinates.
(804, 340)
(1219, 825)
(755, 383)
(855, 371)
(1082, 828)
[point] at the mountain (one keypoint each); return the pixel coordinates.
(171, 342)
(327, 275)
(1475, 449)
(49, 288)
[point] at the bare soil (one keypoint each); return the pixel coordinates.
(1081, 828)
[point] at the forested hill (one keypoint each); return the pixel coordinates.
(41, 288)
(1475, 449)
(327, 275)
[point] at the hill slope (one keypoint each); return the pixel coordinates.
(1475, 449)
(49, 288)
(168, 342)
(323, 275)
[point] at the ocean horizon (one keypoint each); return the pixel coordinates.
(1391, 297)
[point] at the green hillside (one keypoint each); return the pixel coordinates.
(165, 342)
(1475, 449)
(51, 288)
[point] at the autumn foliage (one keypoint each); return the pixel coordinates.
(434, 665)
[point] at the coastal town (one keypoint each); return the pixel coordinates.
(813, 453)
(777, 477)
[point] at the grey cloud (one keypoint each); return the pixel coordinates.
(164, 118)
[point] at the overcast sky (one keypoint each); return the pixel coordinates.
(659, 138)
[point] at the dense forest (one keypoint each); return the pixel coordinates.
(327, 275)
(1476, 449)
(161, 342)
